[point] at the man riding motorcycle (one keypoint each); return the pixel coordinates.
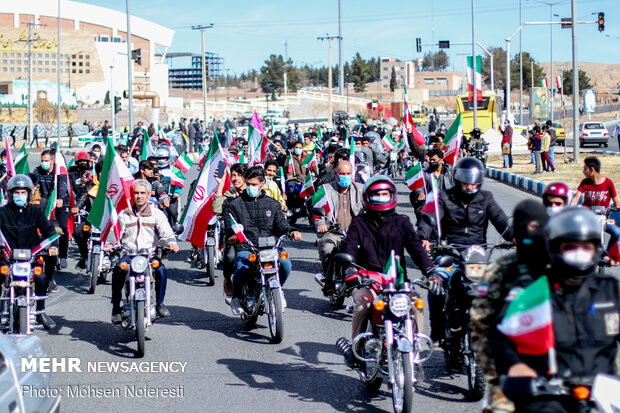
(585, 307)
(165, 171)
(158, 191)
(442, 172)
(142, 227)
(20, 223)
(261, 216)
(345, 200)
(371, 238)
(556, 195)
(82, 184)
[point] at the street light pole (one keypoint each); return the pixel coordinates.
(202, 29)
(59, 100)
(473, 62)
(520, 66)
(129, 69)
(329, 76)
(575, 83)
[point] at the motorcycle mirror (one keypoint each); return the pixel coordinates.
(445, 261)
(344, 258)
(178, 229)
(319, 212)
(429, 219)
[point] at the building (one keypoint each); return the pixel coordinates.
(440, 83)
(93, 48)
(405, 73)
(191, 78)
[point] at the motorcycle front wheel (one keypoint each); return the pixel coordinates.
(22, 319)
(475, 380)
(140, 333)
(402, 390)
(94, 272)
(211, 265)
(276, 315)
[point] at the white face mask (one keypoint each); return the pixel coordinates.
(577, 257)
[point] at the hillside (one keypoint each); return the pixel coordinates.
(604, 76)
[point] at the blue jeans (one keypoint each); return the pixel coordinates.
(533, 158)
(119, 276)
(614, 234)
(552, 155)
(506, 160)
(242, 269)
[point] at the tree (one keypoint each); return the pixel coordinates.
(499, 68)
(393, 80)
(539, 73)
(435, 61)
(106, 99)
(272, 74)
(567, 81)
(359, 72)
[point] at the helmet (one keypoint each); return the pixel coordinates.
(573, 224)
(557, 189)
(372, 186)
(475, 133)
(82, 156)
(468, 171)
(19, 181)
(162, 155)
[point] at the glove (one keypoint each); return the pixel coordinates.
(435, 285)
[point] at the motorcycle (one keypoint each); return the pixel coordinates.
(100, 261)
(392, 344)
(296, 205)
(262, 293)
(598, 394)
(478, 149)
(18, 298)
(394, 158)
(362, 167)
(211, 255)
(462, 267)
(338, 292)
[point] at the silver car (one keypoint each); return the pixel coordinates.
(593, 133)
(13, 382)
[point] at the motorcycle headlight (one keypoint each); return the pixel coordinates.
(139, 264)
(474, 272)
(268, 255)
(400, 305)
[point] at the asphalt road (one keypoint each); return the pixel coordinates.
(231, 368)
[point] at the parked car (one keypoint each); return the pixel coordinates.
(95, 136)
(593, 133)
(418, 118)
(276, 117)
(247, 115)
(12, 380)
(340, 116)
(560, 134)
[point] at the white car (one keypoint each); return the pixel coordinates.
(95, 136)
(593, 133)
(276, 117)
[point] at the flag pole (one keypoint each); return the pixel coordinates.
(435, 201)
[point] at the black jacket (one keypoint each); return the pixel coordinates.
(467, 226)
(19, 225)
(46, 185)
(261, 217)
(371, 239)
(585, 324)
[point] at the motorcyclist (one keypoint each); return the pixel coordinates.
(158, 191)
(82, 185)
(371, 238)
(260, 216)
(437, 169)
(529, 260)
(556, 195)
(271, 188)
(585, 307)
(21, 223)
(345, 202)
(142, 227)
(174, 191)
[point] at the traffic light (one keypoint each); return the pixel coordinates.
(601, 21)
(117, 104)
(418, 45)
(444, 44)
(136, 55)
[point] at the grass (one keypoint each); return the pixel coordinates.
(569, 173)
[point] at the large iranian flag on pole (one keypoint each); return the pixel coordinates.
(199, 209)
(529, 319)
(257, 141)
(453, 138)
(115, 183)
(414, 177)
(478, 78)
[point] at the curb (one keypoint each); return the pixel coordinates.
(527, 184)
(604, 152)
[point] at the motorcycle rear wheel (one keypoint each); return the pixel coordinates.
(211, 265)
(276, 315)
(140, 333)
(94, 273)
(402, 390)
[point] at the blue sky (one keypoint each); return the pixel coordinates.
(246, 32)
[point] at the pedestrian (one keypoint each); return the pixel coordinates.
(70, 132)
(617, 132)
(506, 151)
(507, 133)
(12, 134)
(547, 164)
(553, 142)
(35, 136)
(536, 147)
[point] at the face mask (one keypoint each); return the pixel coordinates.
(252, 191)
(298, 151)
(20, 200)
(432, 166)
(97, 154)
(46, 166)
(344, 180)
(381, 199)
(267, 180)
(3, 162)
(577, 257)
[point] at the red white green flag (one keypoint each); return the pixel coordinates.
(257, 141)
(477, 80)
(50, 207)
(177, 178)
(352, 154)
(238, 230)
(308, 188)
(310, 161)
(393, 272)
(184, 163)
(529, 319)
(46, 243)
(147, 148)
(319, 200)
(290, 168)
(21, 163)
(388, 142)
(414, 177)
(115, 223)
(453, 138)
(4, 244)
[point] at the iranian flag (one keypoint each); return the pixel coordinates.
(478, 78)
(290, 168)
(431, 205)
(257, 141)
(414, 177)
(45, 244)
(529, 319)
(352, 154)
(310, 161)
(230, 138)
(393, 272)
(319, 200)
(177, 178)
(558, 81)
(282, 178)
(115, 183)
(453, 138)
(409, 124)
(50, 207)
(388, 142)
(147, 148)
(237, 229)
(21, 163)
(544, 83)
(115, 223)
(199, 209)
(308, 188)
(241, 157)
(184, 163)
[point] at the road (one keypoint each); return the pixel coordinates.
(231, 368)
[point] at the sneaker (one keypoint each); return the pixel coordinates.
(52, 287)
(117, 318)
(235, 306)
(344, 347)
(63, 263)
(227, 288)
(81, 265)
(46, 321)
(162, 310)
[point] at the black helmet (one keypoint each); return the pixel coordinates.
(468, 171)
(19, 181)
(573, 224)
(475, 133)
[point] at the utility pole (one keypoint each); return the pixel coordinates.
(202, 29)
(329, 76)
(112, 100)
(129, 68)
(520, 66)
(473, 63)
(285, 63)
(59, 100)
(575, 83)
(340, 65)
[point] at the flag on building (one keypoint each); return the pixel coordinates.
(45, 244)
(453, 138)
(257, 141)
(199, 209)
(478, 78)
(414, 177)
(308, 188)
(310, 161)
(237, 229)
(320, 200)
(528, 321)
(184, 163)
(21, 163)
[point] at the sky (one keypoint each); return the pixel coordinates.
(246, 32)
